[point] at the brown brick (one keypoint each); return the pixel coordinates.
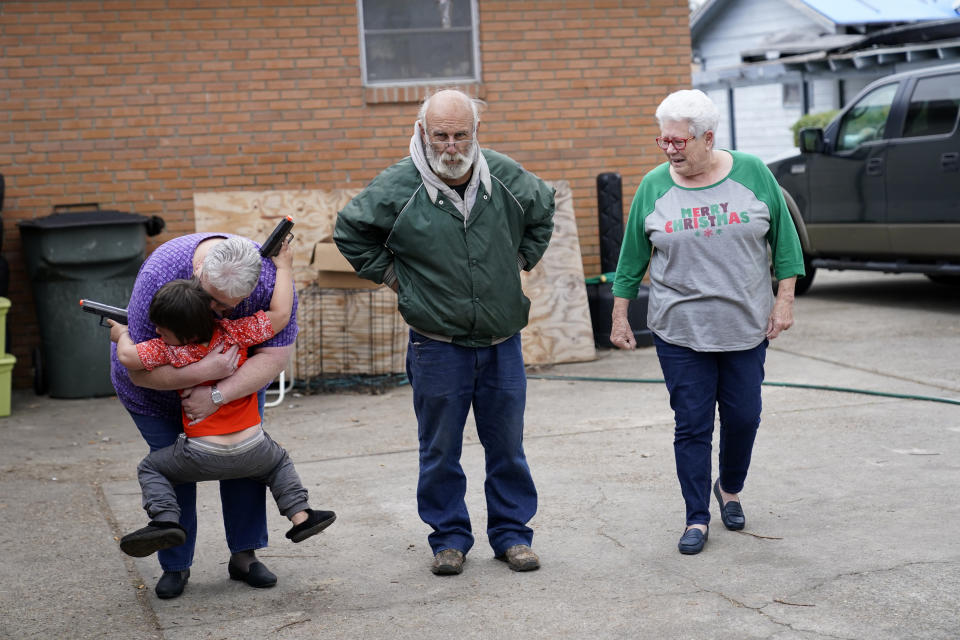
(128, 104)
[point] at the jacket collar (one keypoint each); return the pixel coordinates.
(433, 183)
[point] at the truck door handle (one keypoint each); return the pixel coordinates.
(875, 167)
(950, 161)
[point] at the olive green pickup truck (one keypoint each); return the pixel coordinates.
(879, 187)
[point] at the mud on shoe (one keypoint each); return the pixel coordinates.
(520, 557)
(152, 538)
(448, 562)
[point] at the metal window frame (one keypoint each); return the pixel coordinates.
(475, 28)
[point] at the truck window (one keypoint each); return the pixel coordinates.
(933, 107)
(866, 119)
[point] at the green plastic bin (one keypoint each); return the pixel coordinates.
(4, 308)
(6, 368)
(91, 254)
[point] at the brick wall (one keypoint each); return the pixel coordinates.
(138, 104)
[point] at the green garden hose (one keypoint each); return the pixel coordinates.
(792, 385)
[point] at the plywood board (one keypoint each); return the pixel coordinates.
(559, 329)
(254, 214)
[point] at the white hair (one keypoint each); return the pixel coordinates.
(692, 106)
(475, 106)
(233, 266)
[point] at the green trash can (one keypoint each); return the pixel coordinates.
(92, 254)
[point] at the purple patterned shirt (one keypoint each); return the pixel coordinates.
(170, 261)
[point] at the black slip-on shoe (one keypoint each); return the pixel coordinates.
(731, 513)
(316, 522)
(171, 584)
(692, 541)
(257, 576)
(152, 538)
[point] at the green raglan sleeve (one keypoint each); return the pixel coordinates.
(636, 248)
(786, 252)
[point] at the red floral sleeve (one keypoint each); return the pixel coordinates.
(156, 352)
(249, 330)
(153, 353)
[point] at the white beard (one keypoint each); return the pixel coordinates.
(450, 167)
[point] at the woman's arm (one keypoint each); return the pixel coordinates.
(781, 318)
(281, 301)
(213, 366)
(621, 335)
(257, 372)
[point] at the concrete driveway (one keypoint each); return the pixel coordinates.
(849, 504)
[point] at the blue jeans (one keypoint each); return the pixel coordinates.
(243, 501)
(447, 380)
(699, 381)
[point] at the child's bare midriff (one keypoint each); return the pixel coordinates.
(232, 438)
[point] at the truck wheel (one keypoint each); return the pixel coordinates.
(953, 281)
(804, 283)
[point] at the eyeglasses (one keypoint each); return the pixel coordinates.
(678, 143)
(443, 144)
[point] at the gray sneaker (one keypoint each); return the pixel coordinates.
(448, 562)
(521, 557)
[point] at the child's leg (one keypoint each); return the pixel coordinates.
(156, 488)
(158, 473)
(290, 494)
(286, 486)
(178, 463)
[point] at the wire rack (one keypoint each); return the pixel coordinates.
(350, 339)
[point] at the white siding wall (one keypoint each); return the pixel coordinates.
(763, 123)
(743, 24)
(719, 97)
(823, 95)
(852, 86)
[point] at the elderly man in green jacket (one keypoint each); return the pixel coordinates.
(449, 228)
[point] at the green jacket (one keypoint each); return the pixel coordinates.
(458, 280)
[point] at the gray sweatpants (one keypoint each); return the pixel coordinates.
(192, 460)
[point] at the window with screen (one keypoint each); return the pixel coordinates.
(933, 107)
(419, 41)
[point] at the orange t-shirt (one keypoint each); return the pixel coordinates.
(233, 416)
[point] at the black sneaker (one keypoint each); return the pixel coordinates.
(316, 522)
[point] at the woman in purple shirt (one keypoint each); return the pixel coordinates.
(241, 283)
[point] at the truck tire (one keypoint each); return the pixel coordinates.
(804, 282)
(951, 281)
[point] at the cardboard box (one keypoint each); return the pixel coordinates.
(333, 270)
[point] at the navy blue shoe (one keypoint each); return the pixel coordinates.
(731, 513)
(692, 541)
(171, 584)
(257, 576)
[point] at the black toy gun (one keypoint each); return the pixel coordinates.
(104, 311)
(271, 247)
